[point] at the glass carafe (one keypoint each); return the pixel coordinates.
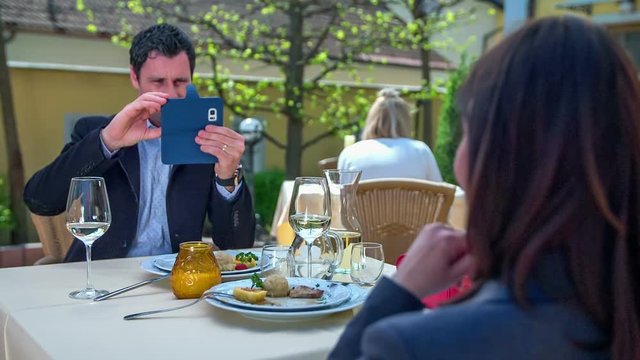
(344, 218)
(195, 270)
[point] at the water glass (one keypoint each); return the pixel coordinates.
(367, 262)
(276, 260)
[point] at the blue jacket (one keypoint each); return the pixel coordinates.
(393, 324)
(191, 194)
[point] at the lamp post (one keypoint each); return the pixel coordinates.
(252, 130)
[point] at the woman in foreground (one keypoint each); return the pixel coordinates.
(550, 162)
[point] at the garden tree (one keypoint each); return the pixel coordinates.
(450, 128)
(14, 156)
(305, 40)
(422, 19)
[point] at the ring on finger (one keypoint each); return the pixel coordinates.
(224, 147)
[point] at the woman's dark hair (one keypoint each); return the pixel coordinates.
(166, 39)
(553, 128)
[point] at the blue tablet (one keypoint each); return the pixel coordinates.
(181, 121)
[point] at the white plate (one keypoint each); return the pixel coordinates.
(148, 266)
(334, 295)
(165, 262)
(358, 295)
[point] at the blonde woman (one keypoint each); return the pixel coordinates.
(386, 150)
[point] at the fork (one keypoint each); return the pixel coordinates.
(151, 312)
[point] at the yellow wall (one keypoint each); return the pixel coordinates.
(548, 8)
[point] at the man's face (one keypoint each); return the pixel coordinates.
(169, 75)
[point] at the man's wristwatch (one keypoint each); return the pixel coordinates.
(232, 181)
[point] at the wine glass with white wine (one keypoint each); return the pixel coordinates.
(88, 217)
(310, 211)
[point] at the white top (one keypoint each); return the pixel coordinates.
(391, 158)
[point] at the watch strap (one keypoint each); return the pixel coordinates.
(232, 181)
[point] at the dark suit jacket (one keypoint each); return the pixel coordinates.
(191, 194)
(393, 324)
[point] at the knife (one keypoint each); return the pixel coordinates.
(130, 287)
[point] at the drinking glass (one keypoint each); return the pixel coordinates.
(310, 211)
(276, 260)
(344, 217)
(367, 262)
(88, 217)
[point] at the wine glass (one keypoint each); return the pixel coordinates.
(310, 211)
(88, 217)
(367, 262)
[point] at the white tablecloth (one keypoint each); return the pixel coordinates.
(39, 321)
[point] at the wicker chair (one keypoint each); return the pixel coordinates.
(54, 236)
(392, 211)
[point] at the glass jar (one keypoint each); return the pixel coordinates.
(195, 270)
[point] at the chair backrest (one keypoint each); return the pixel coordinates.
(328, 163)
(392, 211)
(54, 236)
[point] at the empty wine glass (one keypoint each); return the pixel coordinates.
(367, 262)
(310, 211)
(88, 217)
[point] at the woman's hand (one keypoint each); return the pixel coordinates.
(437, 259)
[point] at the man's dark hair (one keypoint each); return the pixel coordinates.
(166, 39)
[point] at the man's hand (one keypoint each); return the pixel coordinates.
(129, 126)
(437, 259)
(225, 144)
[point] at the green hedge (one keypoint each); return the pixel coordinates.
(7, 221)
(266, 185)
(450, 128)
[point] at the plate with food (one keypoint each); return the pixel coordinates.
(162, 264)
(358, 295)
(281, 294)
(230, 261)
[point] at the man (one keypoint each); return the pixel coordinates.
(154, 206)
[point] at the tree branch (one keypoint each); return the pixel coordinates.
(275, 141)
(327, 134)
(319, 11)
(323, 36)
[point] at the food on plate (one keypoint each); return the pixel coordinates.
(276, 286)
(246, 260)
(242, 261)
(250, 295)
(306, 292)
(225, 261)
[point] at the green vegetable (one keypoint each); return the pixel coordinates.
(256, 281)
(246, 257)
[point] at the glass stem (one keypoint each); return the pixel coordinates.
(88, 250)
(309, 260)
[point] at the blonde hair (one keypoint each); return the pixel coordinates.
(389, 117)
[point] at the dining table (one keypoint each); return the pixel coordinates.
(39, 321)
